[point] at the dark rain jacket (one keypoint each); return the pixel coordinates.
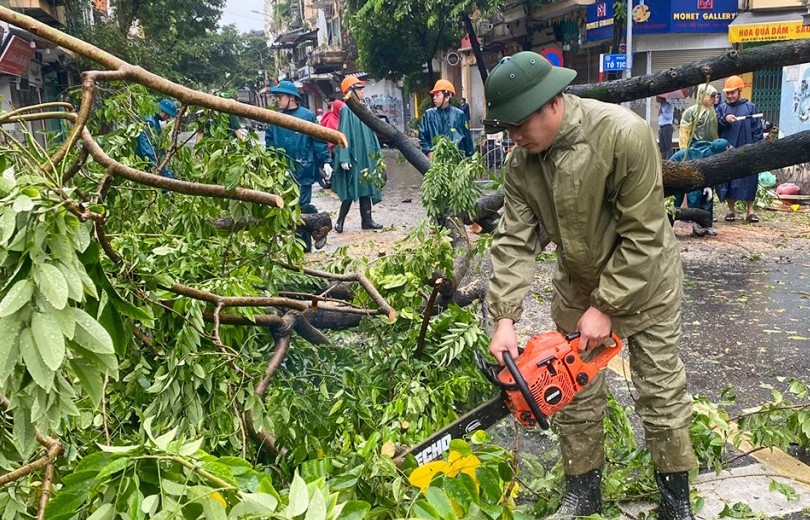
(598, 193)
(449, 122)
(305, 154)
(145, 145)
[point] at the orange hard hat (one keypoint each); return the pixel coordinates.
(443, 85)
(350, 82)
(733, 83)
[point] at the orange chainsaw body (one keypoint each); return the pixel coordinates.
(554, 373)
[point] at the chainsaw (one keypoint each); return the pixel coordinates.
(546, 376)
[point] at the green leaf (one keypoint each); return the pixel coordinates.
(150, 504)
(354, 510)
(16, 297)
(190, 448)
(24, 434)
(40, 373)
(104, 512)
(438, 499)
(53, 285)
(74, 282)
(9, 352)
(22, 203)
(49, 340)
(9, 225)
(113, 467)
(423, 509)
(299, 497)
(91, 335)
(254, 504)
(117, 449)
(317, 506)
(91, 379)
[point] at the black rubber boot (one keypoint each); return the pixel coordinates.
(583, 496)
(344, 210)
(674, 504)
(365, 215)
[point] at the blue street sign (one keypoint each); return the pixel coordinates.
(614, 62)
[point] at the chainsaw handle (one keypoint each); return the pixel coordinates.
(604, 354)
(520, 382)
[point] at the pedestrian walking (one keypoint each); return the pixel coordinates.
(358, 163)
(443, 119)
(146, 144)
(740, 124)
(666, 115)
(589, 173)
(306, 154)
(465, 107)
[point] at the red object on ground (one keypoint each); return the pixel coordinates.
(787, 188)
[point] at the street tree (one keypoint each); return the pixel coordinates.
(179, 40)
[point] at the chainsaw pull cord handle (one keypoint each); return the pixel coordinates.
(603, 355)
(539, 416)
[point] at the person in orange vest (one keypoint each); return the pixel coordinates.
(445, 120)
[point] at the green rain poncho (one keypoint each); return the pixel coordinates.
(362, 154)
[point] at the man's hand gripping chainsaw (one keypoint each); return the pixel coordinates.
(545, 377)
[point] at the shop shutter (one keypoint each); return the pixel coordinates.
(663, 60)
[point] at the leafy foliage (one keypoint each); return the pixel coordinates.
(179, 40)
(449, 187)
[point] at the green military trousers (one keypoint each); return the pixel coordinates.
(664, 405)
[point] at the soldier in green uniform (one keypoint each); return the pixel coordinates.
(590, 174)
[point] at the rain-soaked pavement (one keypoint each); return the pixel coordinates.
(746, 319)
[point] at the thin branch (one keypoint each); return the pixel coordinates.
(46, 491)
(420, 342)
(355, 277)
(189, 188)
(262, 301)
(173, 148)
(53, 450)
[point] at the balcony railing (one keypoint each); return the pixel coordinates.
(332, 57)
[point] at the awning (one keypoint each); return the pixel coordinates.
(755, 26)
(293, 38)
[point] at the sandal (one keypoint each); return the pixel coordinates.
(730, 217)
(752, 218)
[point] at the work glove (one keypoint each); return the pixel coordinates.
(346, 166)
(708, 194)
(327, 170)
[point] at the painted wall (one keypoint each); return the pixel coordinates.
(384, 98)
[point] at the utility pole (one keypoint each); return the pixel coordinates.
(628, 72)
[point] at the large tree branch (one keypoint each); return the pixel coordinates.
(771, 56)
(117, 169)
(187, 96)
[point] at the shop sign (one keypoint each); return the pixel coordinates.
(663, 16)
(775, 4)
(15, 56)
(768, 32)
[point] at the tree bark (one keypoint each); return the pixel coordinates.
(318, 224)
(476, 47)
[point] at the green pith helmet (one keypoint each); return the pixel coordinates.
(518, 86)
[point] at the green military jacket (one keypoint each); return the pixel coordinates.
(598, 193)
